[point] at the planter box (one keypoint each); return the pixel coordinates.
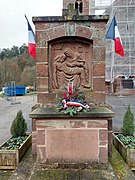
(9, 159)
(127, 154)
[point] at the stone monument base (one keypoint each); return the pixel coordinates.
(84, 138)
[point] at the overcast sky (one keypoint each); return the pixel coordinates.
(13, 25)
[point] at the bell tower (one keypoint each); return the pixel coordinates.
(81, 6)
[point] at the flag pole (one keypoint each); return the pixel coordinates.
(112, 68)
(112, 62)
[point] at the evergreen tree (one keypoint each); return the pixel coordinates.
(128, 123)
(19, 126)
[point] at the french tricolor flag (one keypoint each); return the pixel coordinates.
(113, 33)
(31, 40)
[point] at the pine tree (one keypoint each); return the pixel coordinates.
(128, 123)
(19, 126)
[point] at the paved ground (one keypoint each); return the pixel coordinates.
(8, 113)
(119, 105)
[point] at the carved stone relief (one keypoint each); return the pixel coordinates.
(71, 62)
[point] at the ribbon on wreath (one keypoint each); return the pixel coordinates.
(74, 103)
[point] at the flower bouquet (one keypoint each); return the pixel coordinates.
(73, 101)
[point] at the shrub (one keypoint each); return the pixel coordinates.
(19, 126)
(128, 123)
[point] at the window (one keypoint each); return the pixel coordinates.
(79, 6)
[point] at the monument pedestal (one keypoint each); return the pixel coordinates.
(84, 138)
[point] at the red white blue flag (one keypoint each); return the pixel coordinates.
(31, 40)
(113, 33)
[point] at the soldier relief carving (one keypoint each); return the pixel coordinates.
(70, 66)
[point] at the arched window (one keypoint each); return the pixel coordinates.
(79, 6)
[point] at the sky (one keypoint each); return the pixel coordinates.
(13, 28)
